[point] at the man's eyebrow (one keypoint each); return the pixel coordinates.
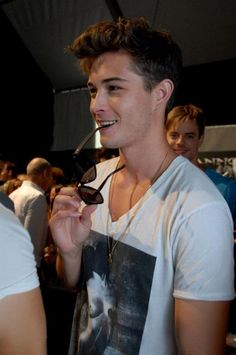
(187, 132)
(108, 80)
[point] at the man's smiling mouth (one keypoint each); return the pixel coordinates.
(103, 124)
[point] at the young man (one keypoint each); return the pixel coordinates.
(185, 126)
(153, 263)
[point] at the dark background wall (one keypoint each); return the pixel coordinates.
(211, 86)
(27, 99)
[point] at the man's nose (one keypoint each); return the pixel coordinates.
(98, 103)
(180, 140)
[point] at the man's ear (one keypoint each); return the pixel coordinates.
(163, 92)
(45, 173)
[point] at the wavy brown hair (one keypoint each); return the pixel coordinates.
(155, 55)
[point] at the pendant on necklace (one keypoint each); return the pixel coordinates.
(110, 258)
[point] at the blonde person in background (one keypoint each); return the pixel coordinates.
(22, 317)
(185, 127)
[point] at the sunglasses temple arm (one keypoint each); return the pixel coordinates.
(113, 172)
(84, 141)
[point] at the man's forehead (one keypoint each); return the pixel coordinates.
(107, 59)
(187, 126)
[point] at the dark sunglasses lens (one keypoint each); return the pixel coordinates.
(90, 195)
(89, 175)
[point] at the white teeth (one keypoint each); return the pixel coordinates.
(106, 123)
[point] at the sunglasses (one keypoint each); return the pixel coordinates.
(86, 173)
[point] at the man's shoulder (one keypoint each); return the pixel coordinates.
(191, 182)
(27, 195)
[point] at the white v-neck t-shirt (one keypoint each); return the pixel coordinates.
(179, 244)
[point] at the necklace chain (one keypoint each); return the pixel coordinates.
(111, 247)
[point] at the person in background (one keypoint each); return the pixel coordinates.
(145, 238)
(22, 177)
(58, 179)
(185, 127)
(31, 205)
(7, 172)
(58, 176)
(11, 185)
(22, 316)
(4, 174)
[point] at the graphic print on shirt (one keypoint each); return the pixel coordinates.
(118, 296)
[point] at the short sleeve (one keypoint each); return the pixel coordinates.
(203, 255)
(18, 268)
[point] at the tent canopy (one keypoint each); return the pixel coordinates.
(205, 30)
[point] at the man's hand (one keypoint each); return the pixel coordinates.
(69, 225)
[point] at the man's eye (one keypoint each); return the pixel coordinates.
(113, 88)
(174, 136)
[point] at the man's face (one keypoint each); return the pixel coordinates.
(118, 98)
(5, 172)
(183, 137)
